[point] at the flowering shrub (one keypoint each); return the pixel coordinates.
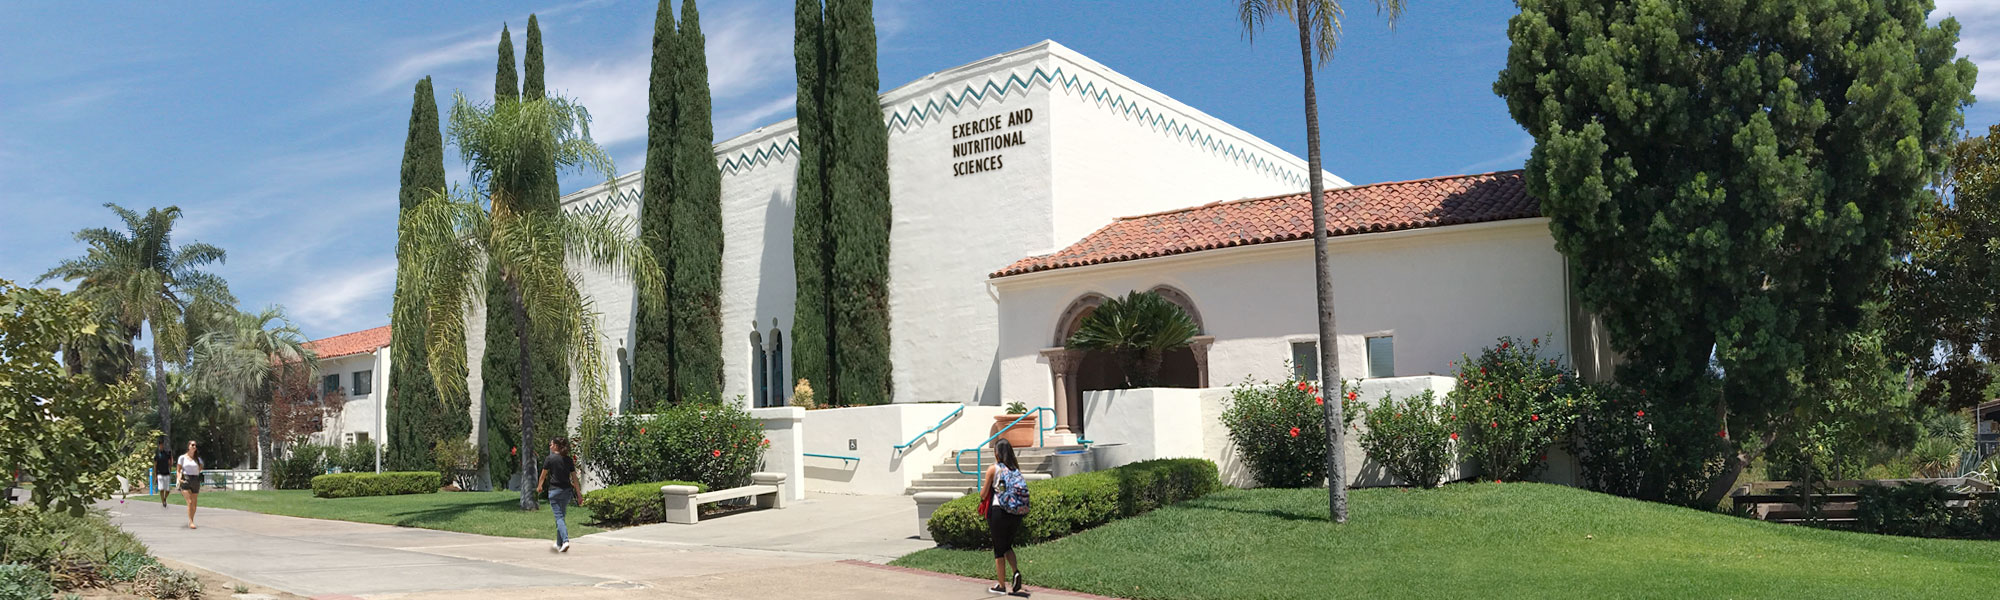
(1411, 437)
(1613, 440)
(1280, 429)
(1511, 405)
(717, 445)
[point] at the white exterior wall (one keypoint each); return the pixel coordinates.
(1123, 149)
(875, 431)
(363, 412)
(1441, 292)
(948, 232)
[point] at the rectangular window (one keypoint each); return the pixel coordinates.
(330, 384)
(1305, 360)
(363, 382)
(1382, 356)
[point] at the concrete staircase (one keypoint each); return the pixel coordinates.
(945, 476)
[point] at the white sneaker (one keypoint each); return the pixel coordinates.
(562, 548)
(555, 547)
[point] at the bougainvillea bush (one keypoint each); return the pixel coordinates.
(1280, 430)
(715, 444)
(1511, 405)
(1411, 437)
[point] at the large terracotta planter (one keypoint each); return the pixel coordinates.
(1021, 435)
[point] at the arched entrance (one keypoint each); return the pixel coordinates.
(1074, 372)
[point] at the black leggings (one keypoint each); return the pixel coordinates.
(1004, 525)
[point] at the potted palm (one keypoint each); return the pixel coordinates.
(1137, 331)
(1021, 434)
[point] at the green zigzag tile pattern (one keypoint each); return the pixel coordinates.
(996, 87)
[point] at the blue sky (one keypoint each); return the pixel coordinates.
(278, 128)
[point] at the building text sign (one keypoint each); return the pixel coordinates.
(982, 136)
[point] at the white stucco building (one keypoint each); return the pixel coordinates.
(356, 365)
(1030, 186)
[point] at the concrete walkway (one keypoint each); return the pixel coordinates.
(738, 556)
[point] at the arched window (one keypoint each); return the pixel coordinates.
(759, 365)
(779, 384)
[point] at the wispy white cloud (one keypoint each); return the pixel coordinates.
(341, 303)
(460, 50)
(731, 123)
(1978, 39)
(1511, 160)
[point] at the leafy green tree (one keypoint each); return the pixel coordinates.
(418, 417)
(140, 276)
(489, 224)
(695, 290)
(1732, 181)
(1947, 295)
(653, 347)
(1138, 331)
(841, 227)
(813, 343)
(498, 372)
(247, 359)
(551, 372)
(506, 83)
(1319, 35)
(61, 427)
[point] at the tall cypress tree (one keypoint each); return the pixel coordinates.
(813, 349)
(859, 212)
(696, 212)
(551, 362)
(498, 372)
(417, 417)
(653, 343)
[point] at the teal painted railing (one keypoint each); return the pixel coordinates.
(843, 459)
(979, 451)
(939, 425)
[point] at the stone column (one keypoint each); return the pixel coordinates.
(1199, 345)
(1062, 364)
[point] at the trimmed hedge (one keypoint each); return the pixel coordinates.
(1067, 505)
(354, 485)
(631, 504)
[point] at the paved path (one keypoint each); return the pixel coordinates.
(730, 557)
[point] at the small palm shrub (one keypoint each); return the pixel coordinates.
(1511, 405)
(715, 444)
(1410, 437)
(1280, 430)
(1137, 331)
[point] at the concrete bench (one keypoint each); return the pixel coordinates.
(683, 501)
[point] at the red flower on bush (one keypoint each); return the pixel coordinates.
(1536, 341)
(514, 451)
(1320, 400)
(1496, 424)
(1640, 414)
(1505, 345)
(1303, 386)
(1295, 432)
(1534, 417)
(1352, 395)
(642, 431)
(715, 453)
(1454, 435)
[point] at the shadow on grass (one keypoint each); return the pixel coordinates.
(1288, 515)
(454, 512)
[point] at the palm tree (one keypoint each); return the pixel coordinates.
(1138, 330)
(1319, 33)
(507, 147)
(247, 358)
(138, 277)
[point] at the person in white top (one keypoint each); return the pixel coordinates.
(188, 472)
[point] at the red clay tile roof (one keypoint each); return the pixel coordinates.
(1372, 208)
(347, 344)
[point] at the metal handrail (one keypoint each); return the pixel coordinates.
(843, 459)
(939, 425)
(979, 456)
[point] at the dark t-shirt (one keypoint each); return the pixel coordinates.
(558, 468)
(163, 462)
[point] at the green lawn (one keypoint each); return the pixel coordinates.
(488, 513)
(1480, 540)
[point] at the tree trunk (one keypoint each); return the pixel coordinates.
(160, 388)
(264, 439)
(525, 451)
(1329, 358)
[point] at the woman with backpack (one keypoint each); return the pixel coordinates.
(1003, 498)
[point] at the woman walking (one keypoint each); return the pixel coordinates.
(559, 481)
(1003, 498)
(188, 472)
